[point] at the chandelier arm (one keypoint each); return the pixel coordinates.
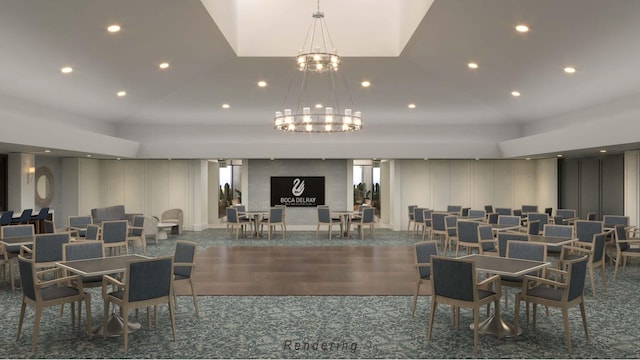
(325, 28)
(333, 92)
(303, 90)
(346, 85)
(286, 97)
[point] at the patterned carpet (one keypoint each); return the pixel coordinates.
(329, 326)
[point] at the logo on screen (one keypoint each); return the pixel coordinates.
(298, 187)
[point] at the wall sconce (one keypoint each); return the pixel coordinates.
(31, 173)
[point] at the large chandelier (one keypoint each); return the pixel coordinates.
(317, 59)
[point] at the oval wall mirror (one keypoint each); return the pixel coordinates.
(44, 186)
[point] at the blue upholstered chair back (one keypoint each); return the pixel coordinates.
(83, 250)
(418, 215)
(232, 215)
(275, 215)
(529, 209)
(149, 279)
(542, 217)
(48, 247)
(561, 231)
(586, 229)
(92, 232)
(468, 231)
(437, 221)
(79, 221)
(241, 208)
(6, 217)
(27, 278)
(185, 253)
(504, 211)
(451, 222)
(42, 214)
(368, 215)
(49, 227)
(476, 214)
(486, 233)
(138, 222)
(13, 231)
(114, 231)
(591, 216)
(411, 208)
(424, 251)
(504, 237)
(526, 250)
(621, 234)
(598, 246)
(324, 215)
(517, 212)
(465, 211)
(578, 270)
(613, 220)
(453, 278)
(509, 220)
(534, 227)
(493, 218)
(566, 213)
(454, 209)
(426, 214)
(488, 209)
(559, 220)
(25, 216)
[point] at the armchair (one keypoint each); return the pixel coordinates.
(173, 216)
(423, 252)
(625, 247)
(454, 283)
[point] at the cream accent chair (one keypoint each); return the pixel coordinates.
(151, 227)
(173, 216)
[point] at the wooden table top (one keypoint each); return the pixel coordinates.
(505, 266)
(100, 266)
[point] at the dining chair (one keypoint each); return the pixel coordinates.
(559, 220)
(284, 217)
(134, 291)
(236, 221)
(595, 251)
(427, 225)
(136, 234)
(453, 282)
(468, 236)
(610, 221)
(480, 214)
(411, 216)
(543, 218)
(510, 220)
(6, 217)
(82, 250)
(492, 218)
(49, 227)
(504, 211)
(24, 218)
(451, 231)
(367, 220)
(454, 209)
(505, 236)
(37, 219)
(564, 291)
(46, 250)
(79, 224)
(184, 264)
(561, 231)
(418, 220)
(465, 211)
(522, 250)
(423, 252)
(40, 294)
(626, 246)
(533, 227)
(488, 244)
(93, 232)
(10, 253)
(276, 217)
(591, 216)
(324, 218)
(488, 209)
(114, 236)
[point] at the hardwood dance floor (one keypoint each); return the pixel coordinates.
(304, 270)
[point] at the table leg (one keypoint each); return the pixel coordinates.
(490, 327)
(114, 326)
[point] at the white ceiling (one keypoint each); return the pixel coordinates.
(461, 113)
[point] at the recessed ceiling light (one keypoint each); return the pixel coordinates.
(118, 159)
(113, 28)
(528, 159)
(318, 106)
(426, 158)
(522, 28)
(603, 151)
(88, 155)
(226, 106)
(66, 70)
(47, 151)
(411, 106)
(121, 93)
(365, 83)
(559, 155)
(164, 65)
(472, 65)
(515, 93)
(570, 70)
(262, 83)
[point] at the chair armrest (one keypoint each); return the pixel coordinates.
(489, 280)
(184, 264)
(540, 280)
(109, 280)
(25, 250)
(64, 279)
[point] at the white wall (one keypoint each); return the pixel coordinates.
(21, 185)
(632, 186)
(470, 183)
(337, 185)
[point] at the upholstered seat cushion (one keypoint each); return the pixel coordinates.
(55, 292)
(545, 293)
(118, 294)
(485, 293)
